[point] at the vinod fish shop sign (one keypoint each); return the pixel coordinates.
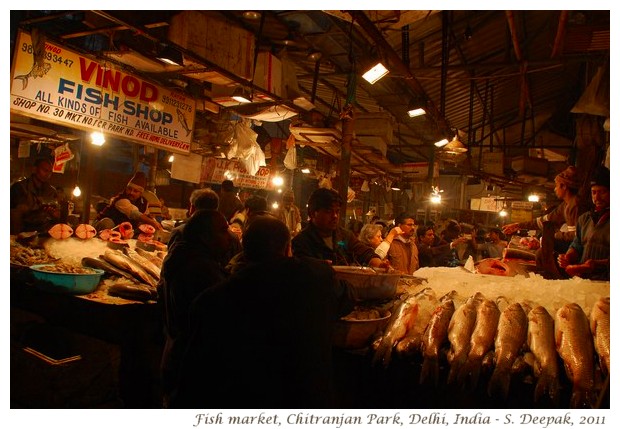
(52, 83)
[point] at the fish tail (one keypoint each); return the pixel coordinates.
(547, 384)
(580, 398)
(24, 79)
(470, 371)
(455, 368)
(499, 384)
(383, 353)
(430, 369)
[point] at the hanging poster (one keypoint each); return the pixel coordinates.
(55, 84)
(216, 170)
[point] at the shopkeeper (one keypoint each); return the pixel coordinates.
(588, 254)
(34, 204)
(128, 206)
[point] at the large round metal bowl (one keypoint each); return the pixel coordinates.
(357, 334)
(366, 283)
(69, 283)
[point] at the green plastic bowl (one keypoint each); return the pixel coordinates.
(70, 283)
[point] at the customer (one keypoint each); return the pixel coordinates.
(588, 254)
(372, 235)
(289, 213)
(427, 249)
(403, 253)
(323, 238)
(128, 206)
(229, 201)
(199, 199)
(262, 338)
(191, 266)
(253, 206)
(34, 205)
(494, 247)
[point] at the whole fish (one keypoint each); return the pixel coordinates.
(459, 333)
(151, 256)
(541, 342)
(435, 336)
(105, 266)
(411, 343)
(599, 326)
(150, 267)
(481, 342)
(403, 317)
(509, 340)
(120, 260)
(574, 344)
(39, 66)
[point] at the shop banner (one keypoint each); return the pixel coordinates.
(52, 83)
(216, 170)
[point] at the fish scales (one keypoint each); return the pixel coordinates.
(459, 333)
(435, 336)
(481, 342)
(541, 342)
(574, 344)
(509, 340)
(118, 258)
(150, 268)
(599, 327)
(400, 322)
(411, 343)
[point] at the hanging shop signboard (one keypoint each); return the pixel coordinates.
(216, 170)
(52, 83)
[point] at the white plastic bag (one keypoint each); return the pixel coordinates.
(290, 160)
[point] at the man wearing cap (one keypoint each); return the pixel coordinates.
(588, 254)
(324, 239)
(128, 206)
(566, 188)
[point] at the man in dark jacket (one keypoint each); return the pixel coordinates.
(323, 238)
(34, 203)
(262, 339)
(194, 264)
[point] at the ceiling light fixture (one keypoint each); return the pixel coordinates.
(417, 107)
(455, 146)
(375, 73)
(441, 143)
(251, 14)
(241, 95)
(170, 55)
(314, 55)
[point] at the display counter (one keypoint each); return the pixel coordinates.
(128, 330)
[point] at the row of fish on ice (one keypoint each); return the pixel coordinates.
(485, 333)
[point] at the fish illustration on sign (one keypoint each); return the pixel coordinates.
(40, 67)
(183, 121)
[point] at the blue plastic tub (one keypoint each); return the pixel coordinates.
(70, 283)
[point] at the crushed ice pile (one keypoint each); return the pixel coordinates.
(552, 294)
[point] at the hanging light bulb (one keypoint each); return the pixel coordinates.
(503, 213)
(77, 191)
(277, 181)
(97, 138)
(171, 158)
(533, 198)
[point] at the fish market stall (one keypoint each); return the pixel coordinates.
(67, 342)
(457, 339)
